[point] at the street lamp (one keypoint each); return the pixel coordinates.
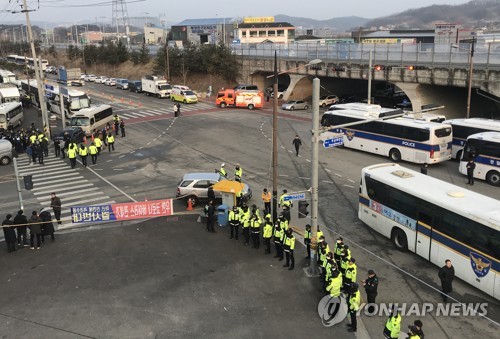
(471, 70)
(275, 126)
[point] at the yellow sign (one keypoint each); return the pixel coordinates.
(256, 20)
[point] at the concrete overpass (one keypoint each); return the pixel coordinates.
(427, 73)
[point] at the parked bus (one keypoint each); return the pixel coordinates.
(429, 117)
(484, 149)
(94, 117)
(30, 89)
(463, 128)
(11, 113)
(11, 58)
(28, 61)
(74, 100)
(398, 138)
(440, 222)
(8, 77)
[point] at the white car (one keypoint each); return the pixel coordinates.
(328, 100)
(295, 104)
(110, 82)
(90, 77)
(100, 80)
(82, 76)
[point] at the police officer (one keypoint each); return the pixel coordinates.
(234, 222)
(286, 213)
(335, 284)
(278, 235)
(98, 144)
(93, 152)
(116, 121)
(307, 241)
(351, 274)
(83, 153)
(238, 173)
(393, 325)
(283, 222)
(344, 259)
(267, 233)
(255, 230)
(72, 155)
(245, 222)
(354, 303)
(223, 171)
(288, 247)
(329, 268)
(57, 147)
(282, 201)
(266, 199)
(371, 286)
(111, 142)
(337, 252)
(122, 127)
(413, 333)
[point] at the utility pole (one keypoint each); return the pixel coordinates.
(370, 79)
(471, 73)
(41, 94)
(275, 139)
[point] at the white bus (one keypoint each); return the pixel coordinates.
(463, 128)
(94, 117)
(28, 61)
(8, 77)
(74, 100)
(484, 149)
(436, 220)
(429, 117)
(398, 138)
(9, 93)
(11, 113)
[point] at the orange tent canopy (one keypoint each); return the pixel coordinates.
(228, 186)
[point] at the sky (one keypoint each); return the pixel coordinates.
(174, 11)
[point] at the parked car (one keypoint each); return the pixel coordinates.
(295, 104)
(110, 82)
(5, 152)
(82, 76)
(75, 133)
(194, 187)
(281, 91)
(122, 83)
(90, 77)
(328, 100)
(135, 86)
(100, 80)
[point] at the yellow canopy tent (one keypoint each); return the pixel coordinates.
(228, 189)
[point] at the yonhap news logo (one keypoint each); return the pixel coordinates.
(332, 310)
(420, 310)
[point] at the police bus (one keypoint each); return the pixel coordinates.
(74, 100)
(484, 149)
(11, 114)
(94, 117)
(8, 77)
(440, 222)
(398, 138)
(463, 128)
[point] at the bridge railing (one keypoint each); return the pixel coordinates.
(486, 55)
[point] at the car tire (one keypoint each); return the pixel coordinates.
(292, 108)
(399, 240)
(323, 105)
(251, 106)
(306, 107)
(5, 161)
(136, 91)
(493, 178)
(223, 104)
(185, 101)
(459, 155)
(395, 155)
(193, 199)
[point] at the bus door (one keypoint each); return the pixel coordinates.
(424, 235)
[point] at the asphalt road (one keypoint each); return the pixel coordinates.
(159, 149)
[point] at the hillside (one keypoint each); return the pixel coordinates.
(341, 24)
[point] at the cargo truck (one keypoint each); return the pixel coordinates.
(153, 85)
(70, 76)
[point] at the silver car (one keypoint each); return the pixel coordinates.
(295, 104)
(194, 187)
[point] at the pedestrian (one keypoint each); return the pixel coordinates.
(267, 233)
(34, 154)
(29, 153)
(35, 230)
(266, 199)
(371, 286)
(211, 217)
(234, 221)
(412, 333)
(176, 110)
(98, 144)
(83, 153)
(9, 233)
(446, 274)
(93, 152)
(423, 169)
(278, 235)
(238, 173)
(22, 222)
(418, 327)
(105, 134)
(211, 194)
(471, 166)
(122, 127)
(393, 325)
(297, 143)
(72, 155)
(288, 247)
(57, 147)
(354, 303)
(307, 241)
(39, 152)
(255, 230)
(44, 144)
(111, 142)
(55, 204)
(47, 225)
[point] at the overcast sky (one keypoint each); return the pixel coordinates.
(175, 11)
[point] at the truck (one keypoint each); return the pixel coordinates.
(243, 98)
(70, 76)
(9, 93)
(153, 85)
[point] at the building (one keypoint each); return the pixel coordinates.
(255, 30)
(155, 35)
(89, 37)
(204, 31)
(394, 36)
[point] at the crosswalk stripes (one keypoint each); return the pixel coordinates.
(142, 113)
(69, 184)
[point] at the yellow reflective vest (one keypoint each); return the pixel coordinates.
(110, 138)
(394, 325)
(268, 231)
(98, 142)
(238, 172)
(354, 301)
(71, 153)
(283, 224)
(83, 151)
(278, 235)
(351, 272)
(289, 243)
(255, 225)
(335, 286)
(93, 149)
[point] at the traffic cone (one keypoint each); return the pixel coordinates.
(190, 205)
(122, 100)
(130, 102)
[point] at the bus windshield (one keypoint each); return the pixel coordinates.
(2, 118)
(79, 102)
(79, 121)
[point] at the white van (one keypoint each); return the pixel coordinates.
(5, 152)
(94, 117)
(9, 93)
(11, 113)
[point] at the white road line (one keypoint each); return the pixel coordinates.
(151, 114)
(308, 160)
(41, 179)
(348, 186)
(109, 160)
(41, 167)
(290, 151)
(304, 178)
(79, 203)
(260, 173)
(75, 198)
(128, 115)
(338, 175)
(112, 185)
(327, 181)
(67, 195)
(51, 172)
(283, 175)
(64, 189)
(121, 156)
(326, 169)
(149, 143)
(283, 147)
(351, 181)
(140, 114)
(58, 180)
(141, 147)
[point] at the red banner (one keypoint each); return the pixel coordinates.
(143, 209)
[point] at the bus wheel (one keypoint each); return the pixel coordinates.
(5, 161)
(395, 155)
(493, 178)
(250, 106)
(459, 155)
(399, 239)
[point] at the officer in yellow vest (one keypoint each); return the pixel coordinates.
(93, 152)
(98, 144)
(282, 202)
(413, 334)
(307, 240)
(72, 155)
(255, 230)
(344, 259)
(111, 141)
(32, 138)
(288, 247)
(354, 303)
(337, 252)
(267, 233)
(335, 284)
(245, 222)
(329, 268)
(234, 222)
(283, 222)
(83, 152)
(278, 240)
(393, 325)
(351, 274)
(223, 171)
(238, 173)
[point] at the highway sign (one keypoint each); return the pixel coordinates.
(298, 196)
(333, 142)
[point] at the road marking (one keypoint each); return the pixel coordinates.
(327, 181)
(351, 181)
(326, 169)
(64, 189)
(283, 175)
(109, 160)
(304, 178)
(121, 156)
(149, 143)
(348, 186)
(141, 147)
(338, 175)
(112, 185)
(290, 151)
(308, 160)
